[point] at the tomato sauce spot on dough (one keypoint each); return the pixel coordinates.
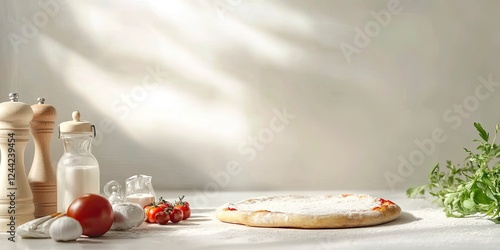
(383, 203)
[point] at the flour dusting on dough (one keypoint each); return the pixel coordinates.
(312, 205)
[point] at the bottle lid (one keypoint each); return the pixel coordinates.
(15, 114)
(76, 126)
(43, 112)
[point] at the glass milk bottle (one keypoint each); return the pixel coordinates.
(78, 169)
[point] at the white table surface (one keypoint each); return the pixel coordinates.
(421, 226)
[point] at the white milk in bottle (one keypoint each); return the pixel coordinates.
(78, 169)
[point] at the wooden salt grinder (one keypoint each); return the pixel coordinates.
(16, 199)
(42, 177)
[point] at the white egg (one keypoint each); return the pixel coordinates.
(127, 216)
(65, 229)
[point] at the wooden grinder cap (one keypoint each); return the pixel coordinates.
(15, 114)
(43, 112)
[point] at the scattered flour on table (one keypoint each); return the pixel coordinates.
(422, 228)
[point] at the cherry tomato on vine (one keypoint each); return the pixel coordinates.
(146, 211)
(151, 212)
(162, 217)
(164, 204)
(176, 215)
(184, 206)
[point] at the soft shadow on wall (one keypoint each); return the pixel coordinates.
(197, 94)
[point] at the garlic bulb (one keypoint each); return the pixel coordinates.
(65, 229)
(127, 215)
(37, 228)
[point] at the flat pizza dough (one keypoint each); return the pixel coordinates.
(310, 211)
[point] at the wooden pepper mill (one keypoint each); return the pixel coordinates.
(42, 176)
(16, 199)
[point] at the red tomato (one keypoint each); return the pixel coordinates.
(94, 213)
(186, 211)
(151, 213)
(162, 217)
(184, 206)
(146, 211)
(176, 215)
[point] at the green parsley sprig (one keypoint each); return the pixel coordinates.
(471, 189)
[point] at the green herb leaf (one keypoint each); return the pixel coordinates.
(471, 188)
(416, 191)
(482, 133)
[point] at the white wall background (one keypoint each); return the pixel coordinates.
(177, 88)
